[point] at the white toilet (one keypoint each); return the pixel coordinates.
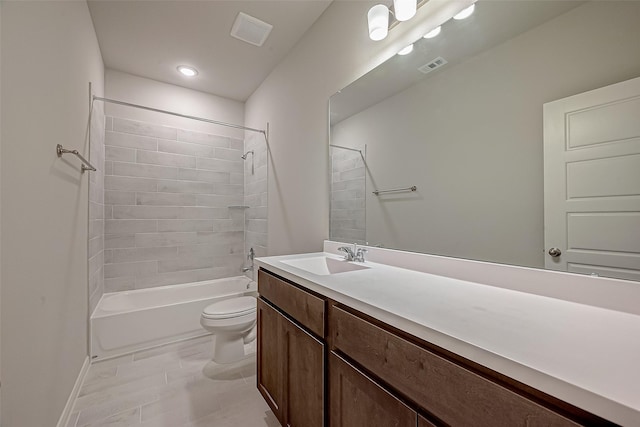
(233, 322)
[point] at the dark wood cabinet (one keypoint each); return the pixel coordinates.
(269, 357)
(355, 400)
(378, 375)
(303, 378)
(291, 368)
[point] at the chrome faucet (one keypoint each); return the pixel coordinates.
(353, 254)
(250, 256)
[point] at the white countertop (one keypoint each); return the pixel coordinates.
(584, 355)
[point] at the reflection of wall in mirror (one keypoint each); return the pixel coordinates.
(470, 137)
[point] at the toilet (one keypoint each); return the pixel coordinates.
(233, 322)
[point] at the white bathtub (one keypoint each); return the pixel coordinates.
(129, 321)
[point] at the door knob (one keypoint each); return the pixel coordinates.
(555, 252)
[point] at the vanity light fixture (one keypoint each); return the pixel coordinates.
(404, 9)
(464, 14)
(378, 21)
(187, 71)
(407, 50)
(431, 34)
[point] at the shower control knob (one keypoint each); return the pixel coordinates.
(555, 252)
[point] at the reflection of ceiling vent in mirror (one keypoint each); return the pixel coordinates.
(250, 29)
(433, 65)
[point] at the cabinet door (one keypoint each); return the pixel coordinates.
(269, 357)
(304, 377)
(356, 401)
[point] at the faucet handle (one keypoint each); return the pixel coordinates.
(360, 254)
(348, 253)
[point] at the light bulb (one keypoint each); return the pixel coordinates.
(187, 71)
(465, 13)
(431, 34)
(404, 9)
(407, 50)
(378, 20)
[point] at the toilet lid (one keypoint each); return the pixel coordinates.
(233, 307)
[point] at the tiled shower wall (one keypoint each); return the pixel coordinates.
(172, 203)
(255, 194)
(347, 220)
(96, 207)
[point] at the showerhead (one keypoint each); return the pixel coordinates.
(244, 156)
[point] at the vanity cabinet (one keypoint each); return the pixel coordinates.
(379, 376)
(291, 366)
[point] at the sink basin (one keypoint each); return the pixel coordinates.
(324, 266)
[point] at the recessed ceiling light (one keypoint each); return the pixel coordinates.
(431, 34)
(407, 50)
(187, 71)
(465, 13)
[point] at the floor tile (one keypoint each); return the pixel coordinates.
(177, 385)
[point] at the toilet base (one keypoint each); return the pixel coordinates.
(230, 348)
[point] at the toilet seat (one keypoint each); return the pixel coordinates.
(230, 308)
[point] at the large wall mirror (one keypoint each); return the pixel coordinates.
(508, 128)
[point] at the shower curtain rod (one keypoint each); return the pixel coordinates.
(157, 110)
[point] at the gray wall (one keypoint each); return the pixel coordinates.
(49, 56)
(167, 205)
(470, 137)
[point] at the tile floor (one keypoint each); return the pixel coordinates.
(176, 385)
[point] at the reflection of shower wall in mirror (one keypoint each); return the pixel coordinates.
(347, 218)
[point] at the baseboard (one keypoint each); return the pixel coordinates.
(68, 408)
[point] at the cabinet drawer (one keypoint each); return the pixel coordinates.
(307, 309)
(450, 392)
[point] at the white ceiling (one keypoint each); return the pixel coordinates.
(151, 38)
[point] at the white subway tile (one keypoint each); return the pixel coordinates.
(165, 159)
(119, 197)
(143, 254)
(169, 212)
(119, 284)
(220, 165)
(146, 171)
(203, 138)
(130, 269)
(186, 224)
(227, 189)
(112, 241)
(166, 199)
(144, 240)
(236, 178)
(120, 154)
(229, 154)
(125, 140)
(175, 147)
(236, 144)
(192, 187)
(218, 201)
(127, 226)
(210, 237)
(143, 128)
(129, 184)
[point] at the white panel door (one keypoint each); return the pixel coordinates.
(592, 182)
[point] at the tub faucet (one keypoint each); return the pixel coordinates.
(250, 256)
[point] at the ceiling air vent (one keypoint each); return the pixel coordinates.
(250, 29)
(433, 65)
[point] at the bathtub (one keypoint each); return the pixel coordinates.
(124, 322)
